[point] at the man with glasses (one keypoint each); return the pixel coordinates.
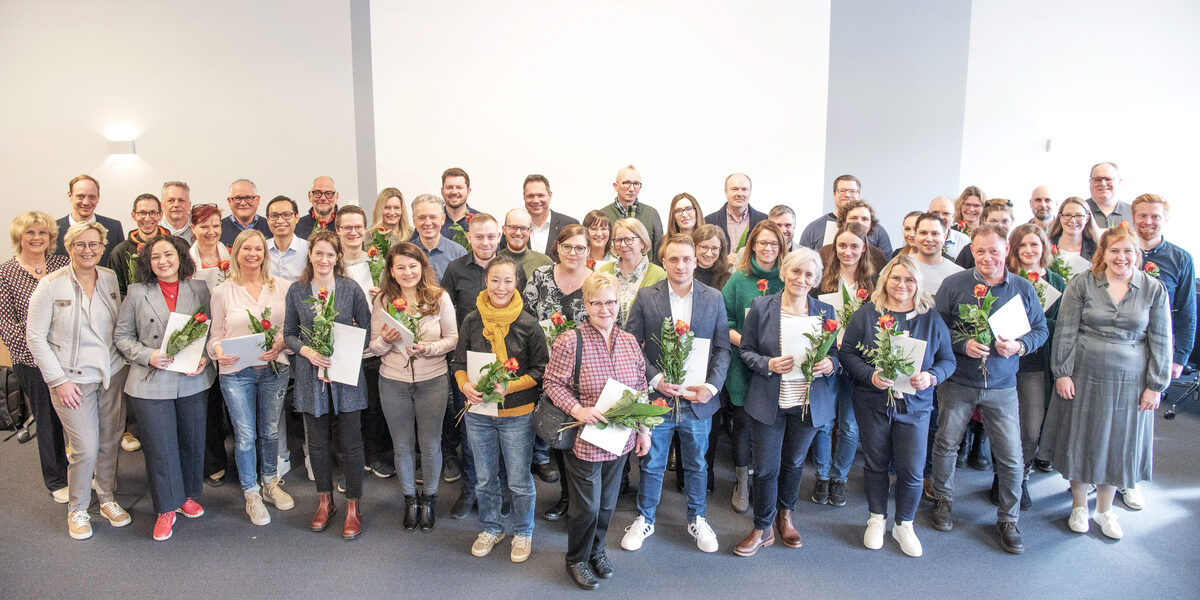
(288, 252)
(323, 197)
(545, 223)
(177, 210)
(84, 194)
(1107, 209)
(456, 189)
(243, 203)
(737, 217)
(1043, 207)
(627, 186)
(996, 211)
(846, 188)
(146, 213)
(517, 227)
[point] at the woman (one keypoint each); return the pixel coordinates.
(783, 415)
(599, 232)
(632, 268)
(1029, 252)
(713, 262)
(846, 264)
(391, 214)
(595, 474)
(757, 275)
(682, 217)
(1075, 233)
(858, 212)
(170, 405)
(33, 237)
(499, 326)
(322, 402)
(254, 395)
(208, 253)
(895, 431)
(910, 234)
(412, 378)
(72, 314)
(968, 208)
(559, 289)
(1111, 363)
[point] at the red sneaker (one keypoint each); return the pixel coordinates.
(190, 509)
(162, 527)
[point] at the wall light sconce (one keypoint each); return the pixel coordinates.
(122, 147)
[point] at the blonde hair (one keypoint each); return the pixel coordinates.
(1111, 236)
(597, 282)
(404, 228)
(28, 219)
(922, 299)
(79, 229)
(967, 192)
(264, 268)
(637, 228)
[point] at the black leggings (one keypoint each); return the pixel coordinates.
(319, 430)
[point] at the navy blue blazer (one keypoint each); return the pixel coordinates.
(939, 358)
(116, 235)
(653, 304)
(721, 219)
(760, 343)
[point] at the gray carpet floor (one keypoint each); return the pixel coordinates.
(222, 555)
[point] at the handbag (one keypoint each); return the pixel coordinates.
(548, 419)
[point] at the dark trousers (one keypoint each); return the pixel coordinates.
(594, 489)
(216, 428)
(319, 431)
(891, 438)
(377, 440)
(741, 436)
(52, 451)
(173, 445)
(779, 450)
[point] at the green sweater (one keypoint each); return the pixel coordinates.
(739, 291)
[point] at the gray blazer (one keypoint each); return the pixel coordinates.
(140, 329)
(313, 396)
(55, 319)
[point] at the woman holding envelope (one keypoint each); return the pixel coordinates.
(412, 377)
(253, 394)
(894, 432)
(500, 327)
(784, 413)
(322, 401)
(170, 401)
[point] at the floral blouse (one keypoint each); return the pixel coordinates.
(543, 297)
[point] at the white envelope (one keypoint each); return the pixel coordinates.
(1010, 321)
(189, 358)
(612, 438)
(347, 353)
(406, 336)
(914, 350)
(1050, 295)
(1077, 263)
(361, 274)
(477, 363)
(955, 242)
(835, 300)
(247, 348)
(695, 368)
(830, 232)
(794, 343)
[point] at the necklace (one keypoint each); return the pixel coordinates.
(36, 269)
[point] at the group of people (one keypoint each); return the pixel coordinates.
(1107, 304)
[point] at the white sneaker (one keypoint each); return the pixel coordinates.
(876, 526)
(522, 547)
(1133, 498)
(255, 510)
(78, 524)
(903, 532)
(637, 533)
(62, 495)
(1078, 521)
(1108, 524)
(706, 538)
(308, 467)
(283, 466)
(484, 543)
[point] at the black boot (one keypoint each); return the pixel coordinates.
(981, 452)
(994, 493)
(425, 516)
(410, 513)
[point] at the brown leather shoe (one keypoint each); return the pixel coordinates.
(325, 509)
(750, 544)
(353, 525)
(927, 489)
(791, 537)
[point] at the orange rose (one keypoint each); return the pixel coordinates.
(981, 290)
(863, 294)
(372, 252)
(557, 318)
(400, 304)
(511, 365)
(830, 326)
(886, 321)
(681, 328)
(661, 402)
(223, 265)
(762, 285)
(322, 293)
(1033, 276)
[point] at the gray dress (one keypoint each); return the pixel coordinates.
(1112, 353)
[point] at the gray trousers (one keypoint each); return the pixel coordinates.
(414, 413)
(999, 410)
(94, 433)
(1031, 395)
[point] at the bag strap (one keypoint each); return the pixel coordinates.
(578, 361)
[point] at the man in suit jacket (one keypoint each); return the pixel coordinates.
(702, 308)
(737, 218)
(546, 223)
(84, 194)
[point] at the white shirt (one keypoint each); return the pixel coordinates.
(289, 263)
(935, 274)
(71, 220)
(540, 236)
(681, 310)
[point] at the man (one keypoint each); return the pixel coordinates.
(517, 227)
(177, 210)
(737, 218)
(324, 198)
(996, 211)
(429, 213)
(846, 188)
(943, 207)
(545, 223)
(84, 194)
(679, 298)
(785, 218)
(146, 213)
(288, 252)
(243, 204)
(1042, 206)
(456, 189)
(627, 186)
(1107, 209)
(993, 392)
(954, 241)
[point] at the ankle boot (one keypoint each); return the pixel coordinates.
(426, 517)
(353, 525)
(410, 513)
(558, 511)
(741, 491)
(325, 509)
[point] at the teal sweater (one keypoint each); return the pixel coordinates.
(739, 291)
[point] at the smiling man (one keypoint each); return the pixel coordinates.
(243, 203)
(146, 213)
(1108, 209)
(517, 228)
(84, 194)
(846, 189)
(736, 217)
(545, 223)
(324, 199)
(456, 189)
(177, 210)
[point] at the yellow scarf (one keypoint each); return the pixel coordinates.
(497, 320)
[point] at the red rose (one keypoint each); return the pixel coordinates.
(400, 304)
(200, 317)
(469, 215)
(830, 326)
(961, 225)
(511, 365)
(322, 293)
(762, 285)
(863, 294)
(1151, 267)
(265, 324)
(981, 290)
(140, 246)
(660, 402)
(372, 252)
(223, 265)
(382, 230)
(886, 321)
(681, 328)
(557, 318)
(1033, 276)
(1053, 249)
(591, 263)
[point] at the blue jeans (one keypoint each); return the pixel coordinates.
(847, 426)
(510, 439)
(1001, 418)
(254, 398)
(454, 436)
(693, 444)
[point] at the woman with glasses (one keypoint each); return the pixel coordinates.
(757, 275)
(72, 316)
(599, 234)
(713, 262)
(682, 217)
(391, 215)
(633, 268)
(208, 254)
(968, 208)
(1075, 234)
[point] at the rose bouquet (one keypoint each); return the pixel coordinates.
(1152, 270)
(1058, 264)
(320, 336)
(1036, 280)
(850, 305)
(397, 309)
(675, 345)
(558, 325)
(887, 357)
(377, 253)
(194, 329)
(263, 326)
(821, 342)
(494, 373)
(630, 412)
(973, 323)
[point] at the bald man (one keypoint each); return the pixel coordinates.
(628, 186)
(324, 199)
(1042, 206)
(737, 218)
(518, 225)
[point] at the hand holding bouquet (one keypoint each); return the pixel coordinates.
(888, 358)
(973, 323)
(630, 412)
(263, 326)
(821, 342)
(320, 336)
(496, 374)
(195, 328)
(675, 345)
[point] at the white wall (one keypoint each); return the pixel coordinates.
(1104, 81)
(212, 91)
(686, 91)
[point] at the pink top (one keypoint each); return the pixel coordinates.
(439, 331)
(230, 301)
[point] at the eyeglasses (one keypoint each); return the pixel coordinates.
(81, 246)
(607, 304)
(625, 241)
(565, 249)
(518, 228)
(352, 228)
(1102, 180)
(328, 194)
(683, 210)
(702, 249)
(764, 244)
(145, 214)
(631, 185)
(1076, 218)
(283, 216)
(846, 191)
(242, 199)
